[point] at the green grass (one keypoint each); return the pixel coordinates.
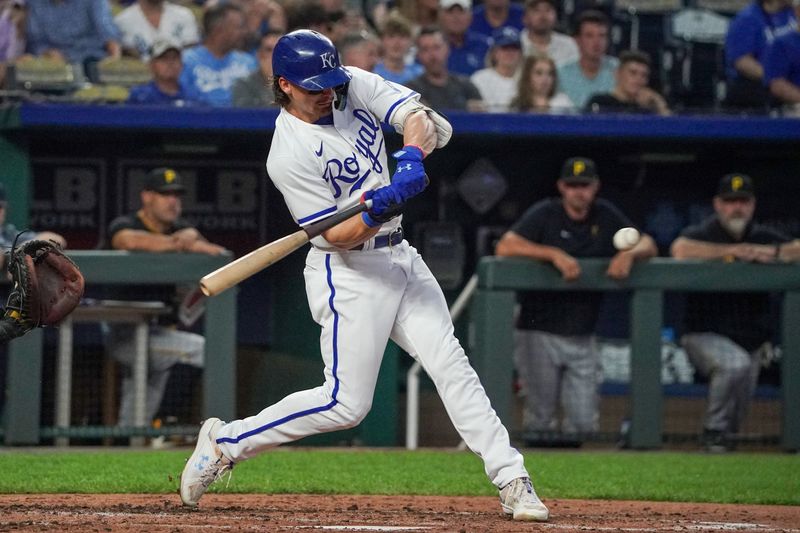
(733, 478)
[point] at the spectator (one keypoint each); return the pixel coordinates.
(750, 33)
(421, 13)
(146, 21)
(556, 352)
(256, 89)
(537, 88)
(78, 32)
(312, 15)
(782, 65)
(359, 49)
(439, 88)
(9, 232)
(261, 17)
(156, 227)
(210, 69)
(725, 330)
(345, 17)
(165, 88)
(631, 93)
(498, 83)
(539, 36)
(468, 49)
(12, 33)
(396, 38)
(494, 14)
(594, 71)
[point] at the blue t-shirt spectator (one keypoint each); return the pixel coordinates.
(410, 72)
(149, 93)
(752, 31)
(79, 29)
(209, 78)
(783, 59)
(579, 88)
(481, 25)
(471, 57)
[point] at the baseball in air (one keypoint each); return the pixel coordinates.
(626, 238)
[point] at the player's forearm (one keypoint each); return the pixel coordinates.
(419, 130)
(748, 67)
(350, 233)
(204, 247)
(784, 90)
(644, 249)
(789, 252)
(684, 248)
(513, 245)
(143, 241)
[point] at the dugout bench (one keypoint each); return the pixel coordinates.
(492, 311)
(107, 267)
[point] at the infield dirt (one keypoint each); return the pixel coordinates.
(229, 512)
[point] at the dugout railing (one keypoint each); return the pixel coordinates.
(127, 269)
(491, 339)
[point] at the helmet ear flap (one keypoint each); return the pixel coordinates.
(340, 98)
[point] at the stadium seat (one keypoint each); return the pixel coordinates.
(101, 94)
(125, 72)
(43, 75)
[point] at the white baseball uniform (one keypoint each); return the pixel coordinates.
(361, 298)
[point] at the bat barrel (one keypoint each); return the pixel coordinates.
(233, 273)
(237, 271)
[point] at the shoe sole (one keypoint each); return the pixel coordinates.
(526, 517)
(205, 429)
(530, 517)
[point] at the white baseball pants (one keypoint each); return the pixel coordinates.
(361, 299)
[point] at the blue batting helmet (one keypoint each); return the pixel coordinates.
(308, 59)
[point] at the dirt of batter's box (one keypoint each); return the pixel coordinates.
(234, 512)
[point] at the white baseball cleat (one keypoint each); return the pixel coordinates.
(520, 500)
(205, 466)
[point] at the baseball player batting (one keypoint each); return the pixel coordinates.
(365, 284)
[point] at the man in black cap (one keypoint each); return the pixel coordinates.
(728, 331)
(556, 351)
(156, 227)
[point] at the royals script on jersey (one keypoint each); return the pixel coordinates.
(323, 168)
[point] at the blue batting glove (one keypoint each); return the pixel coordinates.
(409, 177)
(387, 203)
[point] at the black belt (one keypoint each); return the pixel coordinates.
(390, 239)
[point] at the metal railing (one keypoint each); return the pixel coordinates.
(495, 297)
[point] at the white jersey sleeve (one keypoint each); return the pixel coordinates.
(382, 97)
(299, 178)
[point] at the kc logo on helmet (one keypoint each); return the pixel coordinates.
(328, 60)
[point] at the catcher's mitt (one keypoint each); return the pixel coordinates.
(47, 286)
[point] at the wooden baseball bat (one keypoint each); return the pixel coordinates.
(237, 271)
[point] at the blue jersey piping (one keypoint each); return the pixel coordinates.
(326, 407)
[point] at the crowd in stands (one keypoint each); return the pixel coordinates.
(481, 56)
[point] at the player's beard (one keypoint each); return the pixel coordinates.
(735, 226)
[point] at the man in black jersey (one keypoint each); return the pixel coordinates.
(156, 227)
(556, 351)
(726, 330)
